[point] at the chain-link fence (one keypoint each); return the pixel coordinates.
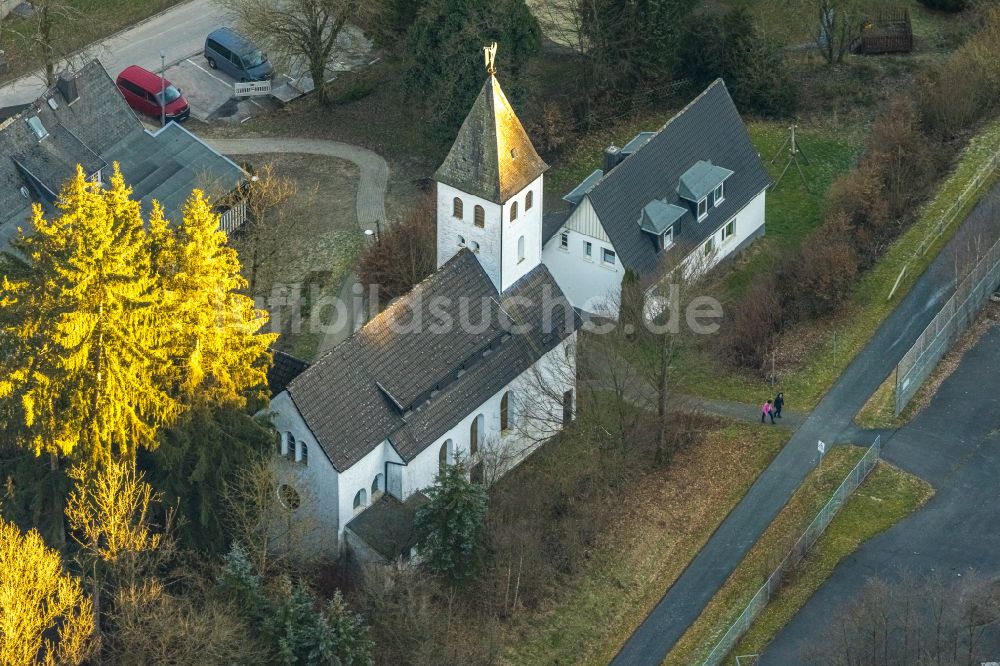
(798, 551)
(953, 319)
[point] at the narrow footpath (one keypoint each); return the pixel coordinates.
(830, 421)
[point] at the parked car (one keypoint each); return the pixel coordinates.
(237, 56)
(143, 90)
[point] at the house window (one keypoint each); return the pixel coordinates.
(289, 497)
(608, 256)
(378, 485)
(360, 500)
(303, 453)
(475, 435)
(505, 412)
(728, 230)
(568, 406)
(520, 249)
(529, 200)
(720, 194)
(564, 240)
(513, 211)
(703, 209)
(709, 247)
(290, 451)
(456, 208)
(479, 217)
(588, 250)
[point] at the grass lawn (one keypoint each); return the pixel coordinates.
(664, 524)
(88, 21)
(310, 245)
(885, 498)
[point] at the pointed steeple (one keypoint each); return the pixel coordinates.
(492, 156)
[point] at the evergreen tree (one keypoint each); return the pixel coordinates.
(453, 525)
(446, 61)
(86, 369)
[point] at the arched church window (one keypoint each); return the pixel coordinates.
(461, 241)
(456, 208)
(475, 434)
(304, 455)
(513, 211)
(529, 200)
(520, 249)
(378, 485)
(360, 500)
(505, 412)
(290, 452)
(474, 246)
(480, 216)
(444, 456)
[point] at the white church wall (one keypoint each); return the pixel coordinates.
(529, 225)
(360, 476)
(453, 234)
(315, 482)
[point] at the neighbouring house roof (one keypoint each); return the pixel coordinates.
(492, 156)
(700, 180)
(407, 378)
(708, 129)
(658, 216)
(576, 195)
(97, 129)
(637, 142)
(388, 525)
(283, 369)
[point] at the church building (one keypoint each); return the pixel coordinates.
(477, 362)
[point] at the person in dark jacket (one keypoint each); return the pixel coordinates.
(779, 402)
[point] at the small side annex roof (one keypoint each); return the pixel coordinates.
(576, 195)
(697, 182)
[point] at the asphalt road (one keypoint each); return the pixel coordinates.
(179, 32)
(955, 445)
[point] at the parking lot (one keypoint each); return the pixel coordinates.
(211, 93)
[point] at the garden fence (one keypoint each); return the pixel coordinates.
(798, 551)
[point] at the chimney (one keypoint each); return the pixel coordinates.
(67, 86)
(612, 158)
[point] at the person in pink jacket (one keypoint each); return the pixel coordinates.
(766, 410)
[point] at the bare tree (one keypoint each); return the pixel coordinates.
(302, 29)
(839, 23)
(52, 36)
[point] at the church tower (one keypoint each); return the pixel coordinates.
(489, 190)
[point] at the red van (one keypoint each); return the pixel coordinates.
(142, 89)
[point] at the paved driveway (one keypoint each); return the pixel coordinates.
(955, 445)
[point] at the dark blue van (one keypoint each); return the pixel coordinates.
(237, 56)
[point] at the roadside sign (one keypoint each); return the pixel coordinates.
(821, 446)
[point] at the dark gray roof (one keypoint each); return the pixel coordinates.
(408, 378)
(576, 195)
(658, 216)
(492, 156)
(709, 128)
(700, 180)
(552, 222)
(388, 525)
(283, 369)
(95, 130)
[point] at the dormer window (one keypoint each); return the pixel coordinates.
(703, 209)
(667, 239)
(720, 194)
(35, 123)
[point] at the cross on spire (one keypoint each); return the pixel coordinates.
(490, 55)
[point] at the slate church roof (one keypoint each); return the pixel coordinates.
(492, 156)
(414, 371)
(708, 130)
(96, 129)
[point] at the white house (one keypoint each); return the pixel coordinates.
(697, 185)
(451, 369)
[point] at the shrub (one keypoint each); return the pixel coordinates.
(752, 323)
(859, 198)
(404, 253)
(951, 95)
(903, 152)
(821, 275)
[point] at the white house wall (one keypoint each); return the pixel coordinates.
(590, 284)
(749, 223)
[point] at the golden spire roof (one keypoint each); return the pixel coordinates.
(492, 156)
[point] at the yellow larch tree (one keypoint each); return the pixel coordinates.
(44, 616)
(88, 366)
